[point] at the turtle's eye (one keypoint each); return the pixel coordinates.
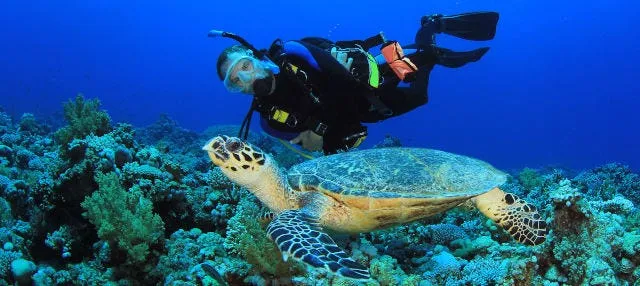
(233, 145)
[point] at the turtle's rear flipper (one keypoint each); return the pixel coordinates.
(516, 216)
(299, 235)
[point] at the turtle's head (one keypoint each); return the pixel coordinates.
(242, 162)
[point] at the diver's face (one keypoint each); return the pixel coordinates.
(242, 72)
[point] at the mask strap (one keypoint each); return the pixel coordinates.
(270, 65)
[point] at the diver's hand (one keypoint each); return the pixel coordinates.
(309, 140)
(341, 57)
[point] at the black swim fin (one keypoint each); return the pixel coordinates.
(453, 59)
(477, 26)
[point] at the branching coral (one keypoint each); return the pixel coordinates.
(83, 118)
(61, 240)
(122, 218)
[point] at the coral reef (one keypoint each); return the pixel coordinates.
(113, 204)
(609, 180)
(166, 134)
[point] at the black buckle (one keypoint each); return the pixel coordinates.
(320, 129)
(293, 122)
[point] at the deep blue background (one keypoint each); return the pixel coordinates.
(559, 85)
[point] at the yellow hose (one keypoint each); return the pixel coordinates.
(294, 149)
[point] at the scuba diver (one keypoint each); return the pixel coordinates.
(317, 93)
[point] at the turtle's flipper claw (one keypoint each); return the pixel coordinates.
(516, 216)
(266, 217)
(300, 236)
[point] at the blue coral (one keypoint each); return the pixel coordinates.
(444, 233)
(6, 257)
(443, 265)
(611, 179)
(6, 123)
(187, 250)
(485, 271)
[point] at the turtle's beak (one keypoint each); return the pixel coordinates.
(216, 150)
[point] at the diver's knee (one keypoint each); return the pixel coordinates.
(417, 99)
(424, 99)
(429, 26)
(433, 22)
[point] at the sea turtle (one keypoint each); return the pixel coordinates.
(366, 190)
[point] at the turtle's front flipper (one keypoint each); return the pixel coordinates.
(299, 235)
(518, 217)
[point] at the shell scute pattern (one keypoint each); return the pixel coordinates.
(397, 172)
(331, 186)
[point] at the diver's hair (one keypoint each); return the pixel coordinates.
(225, 55)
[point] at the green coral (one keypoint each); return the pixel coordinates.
(83, 118)
(631, 243)
(530, 179)
(386, 270)
(247, 238)
(123, 218)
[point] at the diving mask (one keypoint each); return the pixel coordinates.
(245, 72)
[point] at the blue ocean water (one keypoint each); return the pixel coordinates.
(558, 87)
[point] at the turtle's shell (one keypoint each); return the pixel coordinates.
(396, 173)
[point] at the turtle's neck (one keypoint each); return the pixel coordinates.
(272, 188)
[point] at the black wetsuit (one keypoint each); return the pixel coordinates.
(337, 101)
